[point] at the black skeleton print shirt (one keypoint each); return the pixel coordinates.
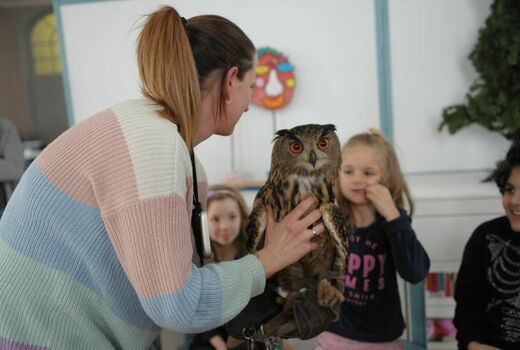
(487, 290)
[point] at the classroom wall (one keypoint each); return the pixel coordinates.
(334, 49)
(430, 43)
(341, 67)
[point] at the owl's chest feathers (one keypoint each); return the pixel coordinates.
(285, 193)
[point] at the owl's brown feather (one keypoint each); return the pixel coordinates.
(293, 177)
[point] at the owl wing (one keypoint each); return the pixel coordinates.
(335, 222)
(257, 223)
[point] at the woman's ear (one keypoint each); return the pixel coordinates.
(230, 80)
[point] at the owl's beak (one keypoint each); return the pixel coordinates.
(312, 158)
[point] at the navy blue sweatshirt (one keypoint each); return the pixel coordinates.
(371, 311)
(487, 290)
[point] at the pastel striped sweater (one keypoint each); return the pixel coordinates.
(96, 247)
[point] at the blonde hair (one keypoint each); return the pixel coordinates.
(393, 177)
(219, 192)
(177, 57)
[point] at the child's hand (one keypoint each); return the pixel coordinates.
(381, 198)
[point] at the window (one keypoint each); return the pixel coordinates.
(44, 44)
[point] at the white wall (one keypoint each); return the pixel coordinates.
(332, 47)
(430, 43)
(332, 44)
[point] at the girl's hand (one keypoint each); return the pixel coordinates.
(380, 196)
(478, 346)
(218, 343)
(289, 240)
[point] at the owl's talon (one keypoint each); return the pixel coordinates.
(329, 296)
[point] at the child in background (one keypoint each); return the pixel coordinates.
(487, 291)
(227, 220)
(371, 191)
(227, 217)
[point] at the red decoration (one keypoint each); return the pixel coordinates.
(275, 80)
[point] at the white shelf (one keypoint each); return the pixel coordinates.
(449, 345)
(440, 312)
(439, 301)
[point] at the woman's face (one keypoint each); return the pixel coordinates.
(224, 221)
(511, 199)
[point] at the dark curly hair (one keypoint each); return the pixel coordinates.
(504, 167)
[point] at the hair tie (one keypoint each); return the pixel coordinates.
(223, 191)
(375, 132)
(184, 21)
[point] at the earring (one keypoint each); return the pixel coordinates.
(228, 101)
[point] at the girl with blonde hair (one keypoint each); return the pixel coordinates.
(372, 193)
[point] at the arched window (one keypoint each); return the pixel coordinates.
(44, 44)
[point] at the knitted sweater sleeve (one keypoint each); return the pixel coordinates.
(152, 238)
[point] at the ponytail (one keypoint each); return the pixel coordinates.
(168, 71)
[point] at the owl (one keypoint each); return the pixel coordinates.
(305, 162)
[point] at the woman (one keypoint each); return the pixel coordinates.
(95, 245)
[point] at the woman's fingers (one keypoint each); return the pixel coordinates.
(290, 239)
(301, 208)
(308, 220)
(318, 229)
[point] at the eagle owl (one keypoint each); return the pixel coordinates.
(305, 162)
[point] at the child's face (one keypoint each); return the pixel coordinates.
(360, 168)
(224, 221)
(511, 199)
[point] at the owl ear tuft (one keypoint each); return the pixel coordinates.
(280, 133)
(329, 128)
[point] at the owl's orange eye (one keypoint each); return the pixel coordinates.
(324, 144)
(296, 147)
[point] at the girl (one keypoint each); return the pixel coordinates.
(99, 225)
(227, 216)
(371, 192)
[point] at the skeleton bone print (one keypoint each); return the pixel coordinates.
(504, 276)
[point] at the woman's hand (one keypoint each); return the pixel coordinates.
(289, 240)
(474, 345)
(380, 196)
